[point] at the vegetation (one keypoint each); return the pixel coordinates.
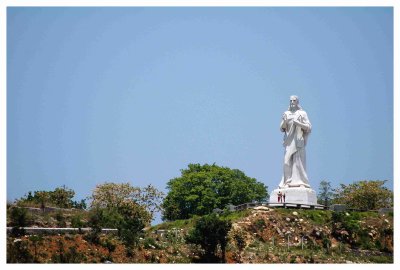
(202, 188)
(316, 236)
(20, 218)
(118, 195)
(210, 232)
(124, 207)
(60, 197)
(264, 235)
(364, 195)
(325, 194)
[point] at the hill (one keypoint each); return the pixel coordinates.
(262, 235)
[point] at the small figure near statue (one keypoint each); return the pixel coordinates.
(281, 197)
(294, 182)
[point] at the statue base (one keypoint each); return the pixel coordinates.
(295, 195)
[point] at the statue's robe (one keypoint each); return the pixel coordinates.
(294, 141)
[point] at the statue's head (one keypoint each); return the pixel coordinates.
(294, 103)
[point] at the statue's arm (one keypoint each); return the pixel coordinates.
(283, 123)
(304, 123)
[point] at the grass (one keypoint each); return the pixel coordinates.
(177, 224)
(234, 216)
(189, 223)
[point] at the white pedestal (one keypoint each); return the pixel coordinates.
(296, 195)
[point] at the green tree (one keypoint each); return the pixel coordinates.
(365, 195)
(124, 207)
(42, 197)
(115, 195)
(62, 197)
(210, 232)
(325, 193)
(202, 188)
(19, 218)
(77, 222)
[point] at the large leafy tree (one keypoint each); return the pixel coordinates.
(202, 188)
(365, 195)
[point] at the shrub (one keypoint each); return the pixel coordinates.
(210, 232)
(18, 252)
(60, 219)
(150, 243)
(19, 218)
(76, 221)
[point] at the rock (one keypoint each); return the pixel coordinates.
(263, 208)
(295, 213)
(287, 219)
(301, 220)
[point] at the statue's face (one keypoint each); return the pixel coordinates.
(293, 102)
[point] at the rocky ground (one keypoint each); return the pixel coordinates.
(261, 235)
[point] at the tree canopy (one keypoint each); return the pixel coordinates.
(209, 232)
(325, 193)
(366, 195)
(124, 207)
(59, 197)
(202, 188)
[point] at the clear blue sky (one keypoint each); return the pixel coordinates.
(136, 94)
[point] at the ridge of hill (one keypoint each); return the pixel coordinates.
(260, 235)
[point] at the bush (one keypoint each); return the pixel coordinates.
(60, 219)
(110, 244)
(210, 232)
(150, 243)
(260, 224)
(18, 252)
(19, 218)
(76, 221)
(365, 195)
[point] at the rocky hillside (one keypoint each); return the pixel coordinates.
(260, 235)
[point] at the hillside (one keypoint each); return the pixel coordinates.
(257, 236)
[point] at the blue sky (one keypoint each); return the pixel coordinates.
(136, 94)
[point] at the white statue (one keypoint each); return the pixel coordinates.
(296, 128)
